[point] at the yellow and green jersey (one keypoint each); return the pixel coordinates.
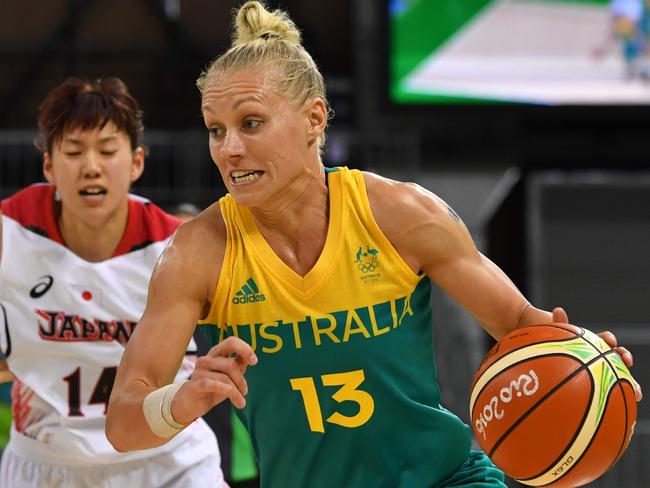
(345, 391)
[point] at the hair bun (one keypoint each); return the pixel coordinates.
(254, 21)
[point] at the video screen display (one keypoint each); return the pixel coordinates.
(539, 52)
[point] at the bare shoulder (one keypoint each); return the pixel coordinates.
(195, 253)
(204, 233)
(420, 225)
(395, 203)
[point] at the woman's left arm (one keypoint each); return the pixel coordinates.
(432, 238)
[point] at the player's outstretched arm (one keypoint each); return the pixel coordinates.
(432, 238)
(179, 295)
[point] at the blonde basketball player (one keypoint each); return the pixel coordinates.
(318, 284)
(76, 257)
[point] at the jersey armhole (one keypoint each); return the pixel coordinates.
(374, 229)
(5, 338)
(223, 282)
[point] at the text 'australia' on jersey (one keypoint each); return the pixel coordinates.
(346, 360)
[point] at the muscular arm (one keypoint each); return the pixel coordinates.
(432, 239)
(156, 348)
(181, 287)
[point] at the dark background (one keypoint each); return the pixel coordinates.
(557, 196)
(159, 54)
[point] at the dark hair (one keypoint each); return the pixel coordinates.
(80, 104)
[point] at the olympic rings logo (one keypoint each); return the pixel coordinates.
(366, 260)
(368, 267)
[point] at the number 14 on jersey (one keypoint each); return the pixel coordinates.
(101, 393)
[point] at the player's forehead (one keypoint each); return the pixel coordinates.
(78, 134)
(228, 90)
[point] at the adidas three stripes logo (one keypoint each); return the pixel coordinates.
(248, 293)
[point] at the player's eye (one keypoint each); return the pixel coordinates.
(252, 123)
(215, 131)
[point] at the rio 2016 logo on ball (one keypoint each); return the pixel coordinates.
(553, 405)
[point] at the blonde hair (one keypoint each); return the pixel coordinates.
(265, 38)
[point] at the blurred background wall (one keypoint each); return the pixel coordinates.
(557, 193)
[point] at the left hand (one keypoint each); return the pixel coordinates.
(560, 316)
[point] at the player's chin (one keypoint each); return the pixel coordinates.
(252, 196)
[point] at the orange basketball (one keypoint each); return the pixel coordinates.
(553, 404)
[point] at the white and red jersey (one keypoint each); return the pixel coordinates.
(64, 323)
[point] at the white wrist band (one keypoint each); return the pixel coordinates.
(157, 411)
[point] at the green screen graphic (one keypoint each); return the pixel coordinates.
(547, 52)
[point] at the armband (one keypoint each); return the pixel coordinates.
(157, 407)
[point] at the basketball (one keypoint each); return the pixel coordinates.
(553, 404)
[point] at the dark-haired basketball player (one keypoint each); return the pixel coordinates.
(76, 257)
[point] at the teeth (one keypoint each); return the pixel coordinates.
(245, 176)
(93, 191)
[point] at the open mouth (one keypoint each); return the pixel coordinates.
(92, 191)
(243, 177)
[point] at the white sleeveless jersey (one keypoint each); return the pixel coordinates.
(64, 323)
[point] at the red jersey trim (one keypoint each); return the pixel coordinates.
(145, 225)
(33, 208)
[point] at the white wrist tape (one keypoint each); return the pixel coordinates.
(157, 407)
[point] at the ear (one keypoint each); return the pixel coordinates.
(316, 118)
(47, 168)
(137, 167)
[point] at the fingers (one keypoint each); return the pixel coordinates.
(609, 338)
(222, 387)
(223, 368)
(625, 355)
(235, 347)
(560, 316)
(638, 391)
(215, 367)
(196, 397)
(221, 372)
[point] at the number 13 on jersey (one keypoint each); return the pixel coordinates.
(349, 382)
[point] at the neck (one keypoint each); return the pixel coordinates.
(296, 229)
(93, 240)
(304, 205)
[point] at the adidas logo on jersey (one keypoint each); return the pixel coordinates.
(249, 293)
